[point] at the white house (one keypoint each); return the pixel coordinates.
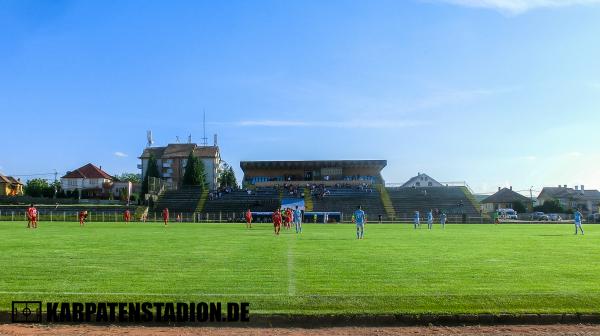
(421, 180)
(89, 178)
(572, 198)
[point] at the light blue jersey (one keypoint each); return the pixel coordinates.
(429, 220)
(297, 215)
(359, 217)
(416, 220)
(578, 222)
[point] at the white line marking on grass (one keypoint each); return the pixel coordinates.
(291, 277)
(141, 294)
(341, 295)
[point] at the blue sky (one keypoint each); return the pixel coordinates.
(492, 92)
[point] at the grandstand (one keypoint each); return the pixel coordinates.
(345, 200)
(452, 200)
(237, 201)
(323, 186)
(184, 200)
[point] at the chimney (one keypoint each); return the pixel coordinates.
(582, 189)
(576, 187)
(215, 140)
(559, 185)
(564, 186)
(510, 187)
(499, 188)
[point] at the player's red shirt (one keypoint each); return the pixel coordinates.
(81, 215)
(165, 214)
(127, 214)
(248, 216)
(277, 218)
(288, 215)
(32, 212)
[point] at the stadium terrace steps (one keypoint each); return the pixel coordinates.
(308, 201)
(402, 201)
(183, 200)
(262, 199)
(452, 200)
(386, 201)
(471, 198)
(345, 200)
(202, 200)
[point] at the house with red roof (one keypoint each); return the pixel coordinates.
(10, 186)
(92, 181)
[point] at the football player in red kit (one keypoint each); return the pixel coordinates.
(165, 215)
(277, 221)
(82, 217)
(248, 217)
(288, 218)
(32, 217)
(127, 216)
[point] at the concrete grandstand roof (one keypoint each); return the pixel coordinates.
(313, 164)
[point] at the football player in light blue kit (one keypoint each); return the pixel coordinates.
(578, 221)
(443, 218)
(430, 220)
(359, 220)
(297, 217)
(416, 220)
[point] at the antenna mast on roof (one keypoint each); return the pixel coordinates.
(204, 138)
(149, 138)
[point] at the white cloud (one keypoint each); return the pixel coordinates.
(272, 123)
(594, 85)
(120, 154)
(331, 124)
(518, 6)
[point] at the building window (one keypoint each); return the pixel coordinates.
(418, 184)
(430, 184)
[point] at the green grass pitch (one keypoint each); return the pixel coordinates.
(395, 269)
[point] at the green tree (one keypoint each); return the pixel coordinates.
(519, 207)
(227, 177)
(37, 187)
(550, 206)
(194, 172)
(54, 189)
(130, 177)
(151, 171)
